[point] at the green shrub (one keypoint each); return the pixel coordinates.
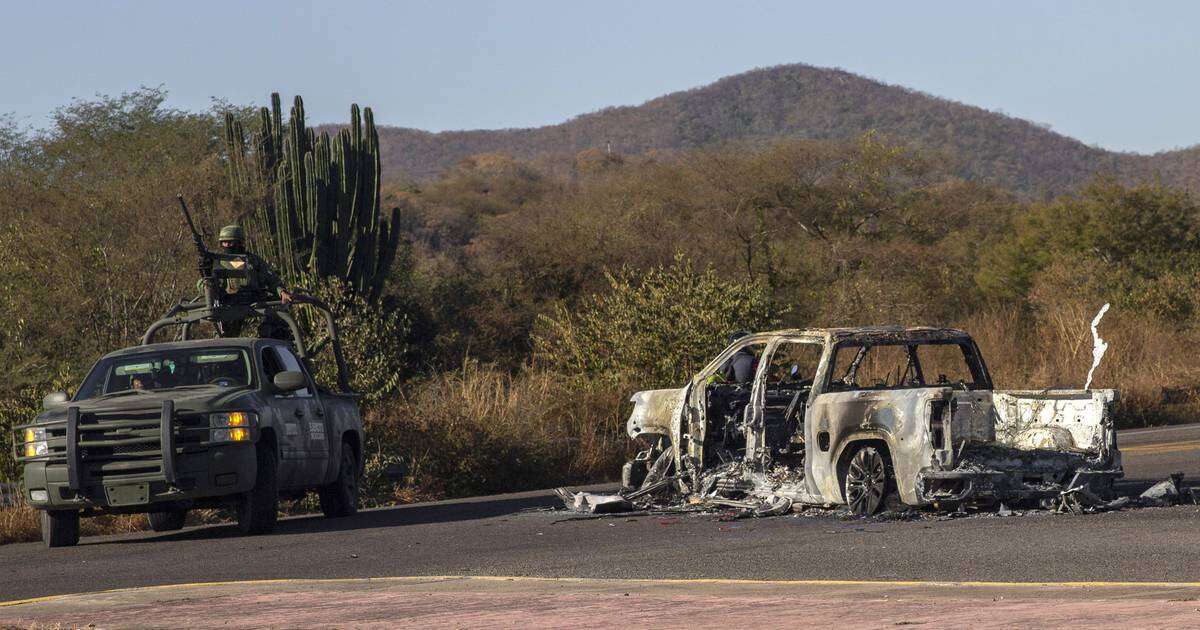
(661, 324)
(374, 340)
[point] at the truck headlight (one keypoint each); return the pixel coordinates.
(35, 443)
(233, 426)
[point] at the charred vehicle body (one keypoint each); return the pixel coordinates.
(856, 415)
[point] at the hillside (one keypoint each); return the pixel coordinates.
(799, 100)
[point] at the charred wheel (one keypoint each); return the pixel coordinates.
(867, 481)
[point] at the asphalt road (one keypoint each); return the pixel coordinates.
(510, 535)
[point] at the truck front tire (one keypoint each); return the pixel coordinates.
(258, 508)
(60, 528)
(168, 521)
(340, 498)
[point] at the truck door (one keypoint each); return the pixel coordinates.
(860, 396)
(288, 414)
(313, 423)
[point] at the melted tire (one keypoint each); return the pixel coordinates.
(59, 528)
(258, 508)
(340, 498)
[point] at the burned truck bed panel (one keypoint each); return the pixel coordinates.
(849, 415)
(1066, 420)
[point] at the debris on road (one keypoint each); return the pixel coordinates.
(1169, 491)
(594, 503)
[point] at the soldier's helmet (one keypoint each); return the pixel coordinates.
(232, 233)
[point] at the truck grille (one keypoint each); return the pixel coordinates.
(116, 446)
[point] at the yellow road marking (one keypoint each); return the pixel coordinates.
(578, 580)
(1190, 445)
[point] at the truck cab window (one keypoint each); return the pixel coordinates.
(878, 366)
(275, 360)
(290, 362)
(946, 364)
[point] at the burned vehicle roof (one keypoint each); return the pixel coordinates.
(875, 333)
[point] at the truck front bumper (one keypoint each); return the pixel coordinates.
(134, 462)
(222, 470)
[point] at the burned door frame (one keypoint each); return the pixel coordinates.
(756, 446)
(692, 426)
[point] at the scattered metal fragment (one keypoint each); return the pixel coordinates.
(1169, 491)
(594, 503)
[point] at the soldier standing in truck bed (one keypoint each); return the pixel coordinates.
(260, 283)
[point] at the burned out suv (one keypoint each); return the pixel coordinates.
(162, 428)
(853, 415)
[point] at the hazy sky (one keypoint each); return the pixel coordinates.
(1122, 75)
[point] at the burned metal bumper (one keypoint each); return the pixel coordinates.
(965, 485)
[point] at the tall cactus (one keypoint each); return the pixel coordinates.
(312, 202)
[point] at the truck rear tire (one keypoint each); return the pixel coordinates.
(867, 481)
(340, 498)
(258, 508)
(168, 521)
(60, 528)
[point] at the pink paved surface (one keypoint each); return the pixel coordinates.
(546, 603)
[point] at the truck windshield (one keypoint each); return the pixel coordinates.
(169, 369)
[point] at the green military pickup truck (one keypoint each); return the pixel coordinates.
(161, 428)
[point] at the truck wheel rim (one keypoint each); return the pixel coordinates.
(865, 482)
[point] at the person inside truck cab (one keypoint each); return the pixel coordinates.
(739, 369)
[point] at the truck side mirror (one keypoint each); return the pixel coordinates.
(53, 399)
(289, 381)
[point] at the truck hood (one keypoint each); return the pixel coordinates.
(211, 398)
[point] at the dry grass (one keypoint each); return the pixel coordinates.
(483, 430)
(1053, 348)
(20, 524)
